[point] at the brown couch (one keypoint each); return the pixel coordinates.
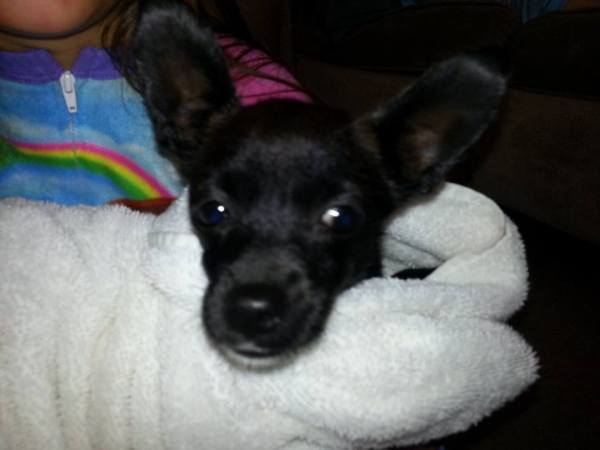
(542, 158)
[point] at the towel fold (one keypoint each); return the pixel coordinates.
(102, 345)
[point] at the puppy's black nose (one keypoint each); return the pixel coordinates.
(255, 311)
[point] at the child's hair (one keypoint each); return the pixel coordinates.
(118, 32)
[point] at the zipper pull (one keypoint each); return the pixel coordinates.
(67, 83)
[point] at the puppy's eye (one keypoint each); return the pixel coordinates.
(212, 213)
(341, 219)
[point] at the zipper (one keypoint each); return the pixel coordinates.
(67, 84)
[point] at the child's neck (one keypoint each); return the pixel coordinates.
(65, 50)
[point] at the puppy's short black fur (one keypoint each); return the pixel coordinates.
(290, 199)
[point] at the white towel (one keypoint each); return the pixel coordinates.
(102, 345)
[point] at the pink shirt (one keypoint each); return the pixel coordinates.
(253, 89)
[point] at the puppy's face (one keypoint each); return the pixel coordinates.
(289, 211)
(288, 199)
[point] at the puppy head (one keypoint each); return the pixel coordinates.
(289, 199)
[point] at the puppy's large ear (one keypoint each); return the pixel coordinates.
(181, 73)
(420, 134)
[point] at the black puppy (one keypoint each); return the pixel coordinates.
(290, 199)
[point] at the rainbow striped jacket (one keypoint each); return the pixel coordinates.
(83, 136)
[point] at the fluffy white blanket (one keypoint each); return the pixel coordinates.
(102, 346)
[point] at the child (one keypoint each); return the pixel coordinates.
(72, 130)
